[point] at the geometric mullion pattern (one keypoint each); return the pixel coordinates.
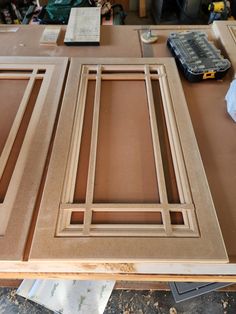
(31, 73)
(164, 218)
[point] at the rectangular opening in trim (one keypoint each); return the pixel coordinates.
(176, 218)
(10, 165)
(11, 94)
(77, 218)
(127, 217)
(125, 166)
(83, 164)
(167, 160)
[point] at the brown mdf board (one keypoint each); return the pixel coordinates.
(215, 133)
(115, 41)
(225, 31)
(159, 49)
(30, 91)
(125, 180)
(214, 130)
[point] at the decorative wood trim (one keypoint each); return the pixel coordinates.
(76, 138)
(199, 220)
(5, 206)
(17, 207)
(166, 228)
(118, 277)
(155, 138)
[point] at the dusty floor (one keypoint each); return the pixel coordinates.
(160, 302)
(133, 302)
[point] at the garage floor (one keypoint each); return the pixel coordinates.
(133, 302)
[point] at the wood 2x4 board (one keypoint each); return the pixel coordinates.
(30, 91)
(125, 180)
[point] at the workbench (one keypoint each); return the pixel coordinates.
(214, 131)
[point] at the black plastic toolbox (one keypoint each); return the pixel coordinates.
(196, 56)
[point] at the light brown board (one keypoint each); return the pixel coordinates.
(100, 227)
(213, 127)
(115, 42)
(225, 31)
(30, 90)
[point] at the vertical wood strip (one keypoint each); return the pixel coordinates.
(17, 121)
(176, 151)
(93, 153)
(167, 222)
(70, 179)
(155, 139)
(142, 8)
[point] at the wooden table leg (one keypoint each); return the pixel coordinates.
(142, 8)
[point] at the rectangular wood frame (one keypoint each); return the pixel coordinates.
(23, 181)
(193, 239)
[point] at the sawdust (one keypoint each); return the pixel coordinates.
(172, 310)
(89, 266)
(12, 297)
(156, 305)
(224, 304)
(121, 267)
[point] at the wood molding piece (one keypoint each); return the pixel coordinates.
(179, 224)
(156, 286)
(118, 277)
(25, 149)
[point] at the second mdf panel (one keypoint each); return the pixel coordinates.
(125, 181)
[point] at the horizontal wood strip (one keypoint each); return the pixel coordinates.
(112, 276)
(129, 207)
(122, 77)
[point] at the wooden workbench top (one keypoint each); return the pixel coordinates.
(115, 42)
(214, 130)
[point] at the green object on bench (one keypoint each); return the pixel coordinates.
(59, 10)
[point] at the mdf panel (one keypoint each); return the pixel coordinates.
(225, 32)
(30, 91)
(26, 42)
(213, 127)
(126, 181)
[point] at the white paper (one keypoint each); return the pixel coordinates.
(84, 25)
(231, 100)
(68, 296)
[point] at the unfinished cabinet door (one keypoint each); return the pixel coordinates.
(125, 181)
(30, 90)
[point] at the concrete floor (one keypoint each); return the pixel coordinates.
(133, 302)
